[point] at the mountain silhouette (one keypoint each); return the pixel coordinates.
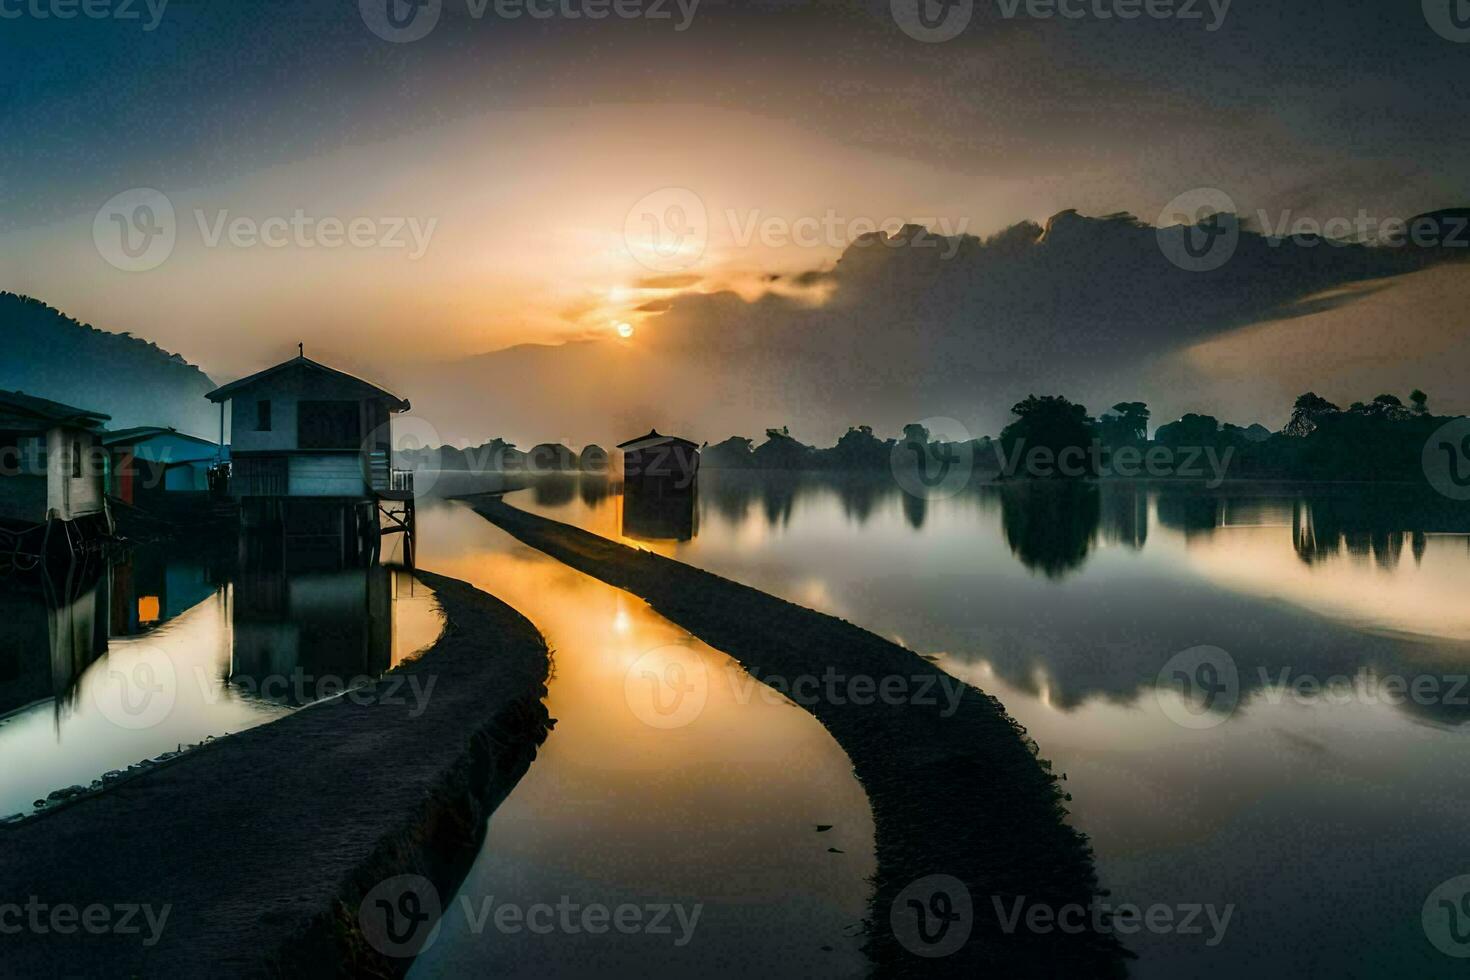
(51, 355)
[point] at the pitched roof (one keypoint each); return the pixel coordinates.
(228, 391)
(655, 439)
(140, 433)
(17, 404)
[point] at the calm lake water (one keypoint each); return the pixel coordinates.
(219, 650)
(1279, 772)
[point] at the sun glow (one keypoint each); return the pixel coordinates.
(625, 330)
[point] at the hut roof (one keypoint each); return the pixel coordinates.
(303, 363)
(654, 438)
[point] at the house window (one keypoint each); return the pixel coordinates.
(76, 460)
(328, 425)
(262, 416)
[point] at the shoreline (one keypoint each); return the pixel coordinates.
(957, 792)
(264, 845)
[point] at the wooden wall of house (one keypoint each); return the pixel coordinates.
(284, 391)
(69, 452)
(326, 475)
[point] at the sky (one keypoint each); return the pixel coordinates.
(500, 171)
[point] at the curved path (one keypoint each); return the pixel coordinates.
(955, 785)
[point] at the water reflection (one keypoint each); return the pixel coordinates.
(169, 646)
(1066, 603)
(717, 807)
(658, 512)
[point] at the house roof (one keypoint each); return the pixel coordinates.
(655, 439)
(228, 391)
(17, 405)
(142, 433)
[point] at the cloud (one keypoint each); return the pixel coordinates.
(1085, 306)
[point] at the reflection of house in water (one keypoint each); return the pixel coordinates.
(48, 641)
(660, 481)
(150, 587)
(336, 624)
(311, 459)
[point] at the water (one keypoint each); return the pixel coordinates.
(719, 810)
(1323, 816)
(165, 649)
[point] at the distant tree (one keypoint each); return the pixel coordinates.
(1051, 422)
(1389, 407)
(1191, 430)
(914, 432)
(781, 452)
(1420, 401)
(1308, 411)
(1125, 425)
(734, 453)
(859, 449)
